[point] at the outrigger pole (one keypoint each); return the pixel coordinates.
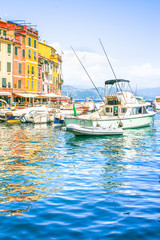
(87, 74)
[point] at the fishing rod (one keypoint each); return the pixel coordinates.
(87, 74)
(112, 68)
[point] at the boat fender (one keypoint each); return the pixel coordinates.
(120, 124)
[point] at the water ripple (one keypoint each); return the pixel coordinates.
(56, 186)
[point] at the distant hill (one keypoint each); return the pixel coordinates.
(91, 93)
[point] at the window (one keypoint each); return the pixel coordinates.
(0, 31)
(8, 48)
(23, 39)
(34, 55)
(38, 85)
(144, 110)
(4, 82)
(20, 68)
(107, 109)
(9, 85)
(123, 110)
(19, 83)
(8, 66)
(32, 70)
(27, 83)
(29, 53)
(35, 43)
(43, 87)
(16, 51)
(15, 85)
(29, 41)
(28, 69)
(4, 33)
(23, 53)
(32, 84)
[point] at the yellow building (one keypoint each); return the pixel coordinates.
(57, 73)
(51, 68)
(31, 60)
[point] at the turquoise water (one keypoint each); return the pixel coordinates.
(56, 186)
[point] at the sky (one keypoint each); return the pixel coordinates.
(128, 29)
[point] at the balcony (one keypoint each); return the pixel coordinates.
(10, 38)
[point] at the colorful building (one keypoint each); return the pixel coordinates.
(7, 41)
(31, 60)
(27, 66)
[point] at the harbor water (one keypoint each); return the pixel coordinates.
(57, 186)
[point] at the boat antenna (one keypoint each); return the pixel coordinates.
(87, 74)
(111, 68)
(108, 59)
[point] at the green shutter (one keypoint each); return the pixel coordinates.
(20, 68)
(4, 33)
(16, 51)
(29, 41)
(23, 53)
(19, 83)
(8, 48)
(34, 43)
(8, 67)
(23, 40)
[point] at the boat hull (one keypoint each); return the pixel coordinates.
(125, 123)
(93, 131)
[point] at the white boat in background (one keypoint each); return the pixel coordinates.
(121, 108)
(142, 101)
(37, 115)
(157, 103)
(93, 131)
(10, 115)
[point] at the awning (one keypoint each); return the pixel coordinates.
(49, 95)
(27, 95)
(61, 99)
(5, 94)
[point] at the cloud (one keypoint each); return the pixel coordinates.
(96, 65)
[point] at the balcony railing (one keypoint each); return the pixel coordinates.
(10, 38)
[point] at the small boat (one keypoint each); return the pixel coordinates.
(157, 103)
(79, 130)
(35, 116)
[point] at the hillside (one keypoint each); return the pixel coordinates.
(92, 93)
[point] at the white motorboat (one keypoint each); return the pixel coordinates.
(121, 108)
(157, 103)
(93, 131)
(35, 116)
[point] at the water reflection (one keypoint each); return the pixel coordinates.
(37, 161)
(24, 174)
(122, 157)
